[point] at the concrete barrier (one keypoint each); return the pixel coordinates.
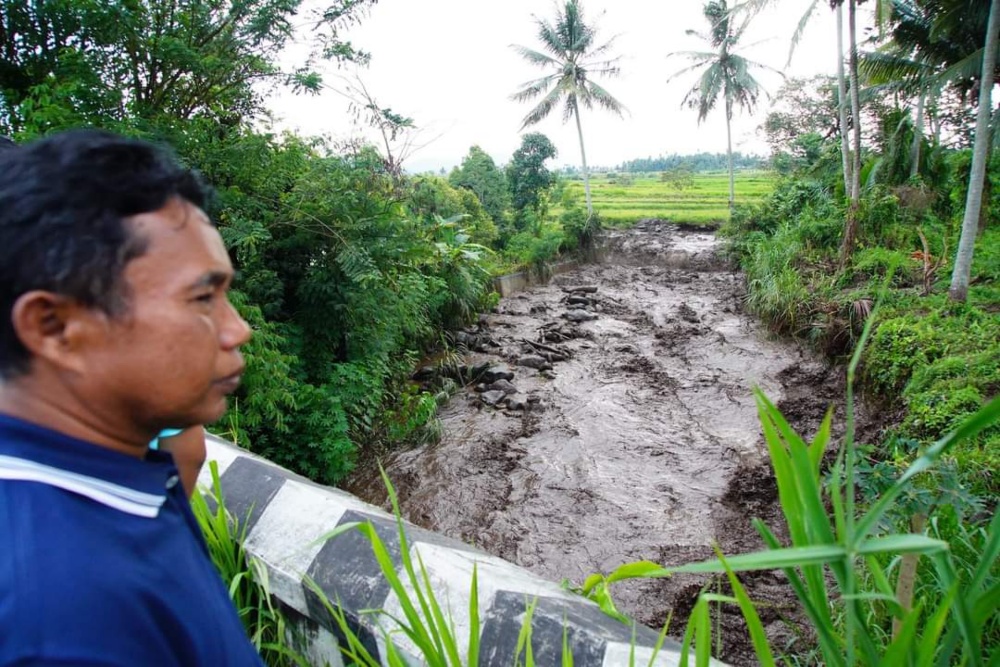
(512, 283)
(286, 516)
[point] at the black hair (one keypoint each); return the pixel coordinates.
(63, 204)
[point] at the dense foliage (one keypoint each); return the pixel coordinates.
(349, 271)
(697, 162)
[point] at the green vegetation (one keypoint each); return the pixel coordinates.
(704, 202)
(935, 360)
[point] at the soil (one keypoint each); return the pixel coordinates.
(643, 444)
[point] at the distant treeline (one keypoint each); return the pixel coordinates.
(697, 162)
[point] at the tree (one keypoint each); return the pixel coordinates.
(802, 106)
(723, 72)
(527, 176)
(980, 152)
(575, 60)
(480, 174)
(118, 61)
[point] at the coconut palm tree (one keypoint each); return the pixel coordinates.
(573, 59)
(980, 152)
(723, 73)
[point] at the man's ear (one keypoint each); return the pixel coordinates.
(53, 328)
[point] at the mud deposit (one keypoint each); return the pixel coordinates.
(642, 444)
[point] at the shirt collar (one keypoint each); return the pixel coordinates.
(33, 453)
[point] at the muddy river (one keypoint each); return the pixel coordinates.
(619, 425)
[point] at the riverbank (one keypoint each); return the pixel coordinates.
(639, 440)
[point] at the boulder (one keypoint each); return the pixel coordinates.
(498, 372)
(502, 385)
(534, 361)
(515, 403)
(492, 398)
(578, 315)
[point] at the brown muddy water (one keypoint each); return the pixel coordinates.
(643, 444)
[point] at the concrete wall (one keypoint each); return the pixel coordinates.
(516, 282)
(286, 517)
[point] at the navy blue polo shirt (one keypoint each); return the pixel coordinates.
(102, 561)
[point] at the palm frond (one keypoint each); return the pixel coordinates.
(551, 41)
(533, 89)
(690, 68)
(604, 99)
(542, 110)
(880, 67)
(535, 57)
(966, 69)
(800, 29)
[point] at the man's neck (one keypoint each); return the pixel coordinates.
(56, 410)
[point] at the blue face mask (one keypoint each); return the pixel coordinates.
(165, 433)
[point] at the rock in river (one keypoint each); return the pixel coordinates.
(492, 397)
(579, 315)
(534, 361)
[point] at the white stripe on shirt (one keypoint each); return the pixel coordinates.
(112, 495)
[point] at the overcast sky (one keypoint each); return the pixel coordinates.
(448, 65)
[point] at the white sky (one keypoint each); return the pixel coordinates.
(448, 65)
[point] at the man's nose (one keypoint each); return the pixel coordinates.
(235, 330)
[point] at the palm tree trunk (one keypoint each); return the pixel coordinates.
(845, 146)
(583, 158)
(918, 136)
(852, 10)
(729, 152)
(851, 225)
(980, 151)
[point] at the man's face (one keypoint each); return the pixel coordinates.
(172, 358)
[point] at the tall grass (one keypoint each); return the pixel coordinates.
(246, 578)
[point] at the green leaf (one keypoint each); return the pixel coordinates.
(768, 560)
(761, 645)
(902, 544)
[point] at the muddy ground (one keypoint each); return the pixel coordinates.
(643, 444)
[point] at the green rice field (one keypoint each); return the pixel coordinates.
(705, 202)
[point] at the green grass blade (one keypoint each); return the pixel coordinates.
(989, 556)
(902, 544)
(524, 636)
(703, 635)
(932, 630)
(472, 659)
(768, 560)
(567, 655)
(421, 625)
(816, 605)
(901, 649)
(638, 569)
(660, 639)
(788, 493)
(819, 444)
(960, 609)
(804, 475)
(985, 607)
(445, 628)
(878, 576)
(760, 643)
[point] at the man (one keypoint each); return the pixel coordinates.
(115, 326)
